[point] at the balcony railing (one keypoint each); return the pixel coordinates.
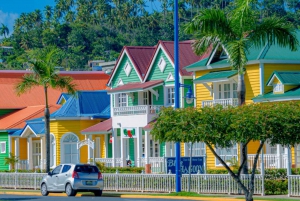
(136, 110)
(271, 161)
(223, 102)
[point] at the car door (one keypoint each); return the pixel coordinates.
(62, 177)
(55, 179)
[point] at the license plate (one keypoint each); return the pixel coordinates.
(89, 182)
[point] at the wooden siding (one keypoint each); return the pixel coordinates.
(182, 148)
(160, 100)
(4, 138)
(289, 87)
(270, 68)
(23, 149)
(120, 73)
(103, 147)
(252, 82)
(252, 147)
(60, 128)
(156, 74)
(202, 93)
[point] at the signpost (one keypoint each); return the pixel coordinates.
(197, 164)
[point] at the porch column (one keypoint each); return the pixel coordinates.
(114, 146)
(279, 157)
(97, 148)
(89, 149)
(147, 146)
(186, 149)
(167, 149)
(106, 144)
(139, 147)
(123, 151)
(173, 149)
(17, 142)
(43, 153)
(29, 153)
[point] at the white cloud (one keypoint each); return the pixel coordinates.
(8, 19)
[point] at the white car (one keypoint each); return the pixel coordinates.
(71, 178)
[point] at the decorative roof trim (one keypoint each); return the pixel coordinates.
(170, 77)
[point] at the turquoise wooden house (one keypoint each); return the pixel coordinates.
(141, 83)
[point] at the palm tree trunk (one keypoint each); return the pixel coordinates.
(241, 94)
(47, 131)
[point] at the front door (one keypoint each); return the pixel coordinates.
(36, 154)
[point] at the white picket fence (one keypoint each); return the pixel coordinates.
(200, 183)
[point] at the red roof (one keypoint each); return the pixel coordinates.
(17, 119)
(102, 127)
(140, 57)
(135, 86)
(87, 80)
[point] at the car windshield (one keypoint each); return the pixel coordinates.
(86, 169)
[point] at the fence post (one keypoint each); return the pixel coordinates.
(170, 179)
(142, 181)
(35, 180)
(198, 183)
(117, 180)
(15, 180)
(229, 185)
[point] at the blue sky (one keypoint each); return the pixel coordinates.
(11, 9)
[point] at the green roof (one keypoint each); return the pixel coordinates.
(202, 62)
(216, 76)
(288, 95)
(286, 77)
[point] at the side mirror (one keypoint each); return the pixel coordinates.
(50, 173)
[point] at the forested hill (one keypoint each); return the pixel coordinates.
(98, 29)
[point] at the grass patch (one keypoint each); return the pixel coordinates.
(185, 194)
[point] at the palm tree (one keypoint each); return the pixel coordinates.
(236, 32)
(4, 31)
(43, 63)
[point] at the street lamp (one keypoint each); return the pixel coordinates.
(189, 98)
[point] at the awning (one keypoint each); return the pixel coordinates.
(135, 86)
(103, 127)
(219, 76)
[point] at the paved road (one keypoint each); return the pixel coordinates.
(59, 198)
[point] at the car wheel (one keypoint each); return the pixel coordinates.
(70, 191)
(98, 193)
(44, 190)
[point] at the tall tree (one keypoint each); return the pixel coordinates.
(44, 73)
(4, 31)
(236, 32)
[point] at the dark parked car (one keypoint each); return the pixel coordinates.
(72, 178)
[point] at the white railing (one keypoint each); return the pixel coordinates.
(271, 161)
(200, 183)
(109, 161)
(224, 102)
(136, 110)
(22, 165)
(157, 164)
(294, 185)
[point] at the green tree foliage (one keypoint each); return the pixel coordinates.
(11, 160)
(222, 127)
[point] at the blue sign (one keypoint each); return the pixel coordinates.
(197, 164)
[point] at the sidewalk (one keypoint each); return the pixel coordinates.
(207, 197)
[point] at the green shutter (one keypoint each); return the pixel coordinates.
(118, 132)
(131, 151)
(109, 147)
(162, 149)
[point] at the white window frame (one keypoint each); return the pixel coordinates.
(36, 156)
(127, 69)
(198, 149)
(169, 98)
(219, 94)
(162, 64)
(145, 97)
(62, 150)
(1, 143)
(122, 100)
(120, 82)
(233, 154)
(278, 87)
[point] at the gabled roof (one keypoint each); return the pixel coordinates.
(136, 86)
(293, 94)
(100, 128)
(285, 77)
(85, 104)
(186, 55)
(85, 80)
(216, 76)
(140, 56)
(17, 119)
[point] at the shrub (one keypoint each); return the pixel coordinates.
(276, 187)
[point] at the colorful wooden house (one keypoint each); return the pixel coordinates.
(81, 111)
(141, 83)
(216, 83)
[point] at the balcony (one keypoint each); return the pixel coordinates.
(223, 102)
(135, 116)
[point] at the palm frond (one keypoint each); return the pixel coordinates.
(238, 50)
(274, 30)
(65, 83)
(200, 46)
(28, 81)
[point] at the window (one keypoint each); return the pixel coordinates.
(227, 154)
(122, 100)
(36, 153)
(127, 69)
(162, 64)
(198, 149)
(66, 168)
(170, 96)
(70, 152)
(145, 98)
(277, 87)
(234, 86)
(57, 170)
(3, 147)
(120, 82)
(226, 90)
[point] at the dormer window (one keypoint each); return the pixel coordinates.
(277, 87)
(127, 69)
(162, 64)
